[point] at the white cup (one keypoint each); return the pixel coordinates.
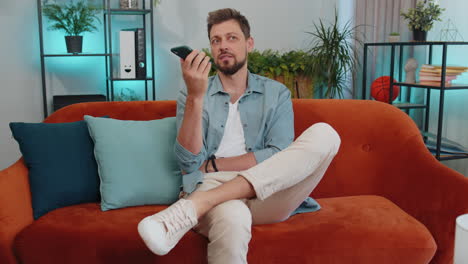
(461, 240)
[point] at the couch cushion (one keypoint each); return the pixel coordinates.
(136, 161)
(60, 159)
(357, 229)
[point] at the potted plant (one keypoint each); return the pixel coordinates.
(422, 18)
(394, 37)
(288, 68)
(295, 63)
(334, 56)
(74, 19)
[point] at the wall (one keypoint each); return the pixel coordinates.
(275, 24)
(20, 90)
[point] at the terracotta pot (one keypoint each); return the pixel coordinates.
(279, 79)
(289, 81)
(304, 87)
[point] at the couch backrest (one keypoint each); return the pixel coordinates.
(373, 136)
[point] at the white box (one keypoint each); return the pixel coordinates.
(127, 55)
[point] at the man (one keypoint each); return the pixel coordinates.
(234, 130)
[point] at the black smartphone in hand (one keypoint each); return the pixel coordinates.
(182, 51)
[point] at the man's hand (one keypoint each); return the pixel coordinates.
(195, 69)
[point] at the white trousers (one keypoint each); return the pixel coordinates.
(281, 184)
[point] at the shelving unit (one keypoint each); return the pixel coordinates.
(107, 15)
(426, 106)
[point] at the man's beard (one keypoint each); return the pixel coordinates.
(230, 70)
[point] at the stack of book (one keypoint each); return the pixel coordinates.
(432, 74)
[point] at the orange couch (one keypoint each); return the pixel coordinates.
(385, 199)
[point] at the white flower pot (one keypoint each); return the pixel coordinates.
(393, 38)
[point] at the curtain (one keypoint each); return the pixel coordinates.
(375, 20)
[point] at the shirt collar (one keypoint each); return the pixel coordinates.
(252, 84)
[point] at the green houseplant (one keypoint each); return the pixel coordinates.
(288, 68)
(421, 18)
(74, 19)
(334, 56)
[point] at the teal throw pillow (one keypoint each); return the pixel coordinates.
(61, 164)
(136, 163)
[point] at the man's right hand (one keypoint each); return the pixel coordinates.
(195, 70)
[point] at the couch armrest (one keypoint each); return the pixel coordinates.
(382, 153)
(429, 191)
(15, 208)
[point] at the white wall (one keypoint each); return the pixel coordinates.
(20, 90)
(275, 24)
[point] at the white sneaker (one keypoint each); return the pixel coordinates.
(178, 218)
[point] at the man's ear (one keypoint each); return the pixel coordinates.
(250, 44)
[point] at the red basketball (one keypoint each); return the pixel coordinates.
(380, 89)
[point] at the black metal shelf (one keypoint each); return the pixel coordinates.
(78, 55)
(131, 12)
(146, 14)
(442, 88)
(452, 157)
(108, 13)
(124, 79)
(407, 105)
(435, 87)
(417, 43)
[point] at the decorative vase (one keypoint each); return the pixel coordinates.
(74, 44)
(128, 4)
(419, 35)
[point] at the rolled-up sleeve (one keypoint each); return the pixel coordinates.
(188, 161)
(280, 133)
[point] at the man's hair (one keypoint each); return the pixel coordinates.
(222, 15)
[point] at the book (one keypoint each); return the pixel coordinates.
(127, 54)
(439, 71)
(436, 78)
(433, 83)
(431, 66)
(423, 73)
(140, 52)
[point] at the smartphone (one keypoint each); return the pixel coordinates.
(182, 51)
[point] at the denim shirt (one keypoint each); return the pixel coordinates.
(267, 118)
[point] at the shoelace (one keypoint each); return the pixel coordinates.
(176, 219)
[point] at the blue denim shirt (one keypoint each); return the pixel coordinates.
(267, 117)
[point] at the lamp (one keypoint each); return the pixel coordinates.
(461, 240)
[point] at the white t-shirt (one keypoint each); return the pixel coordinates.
(233, 141)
